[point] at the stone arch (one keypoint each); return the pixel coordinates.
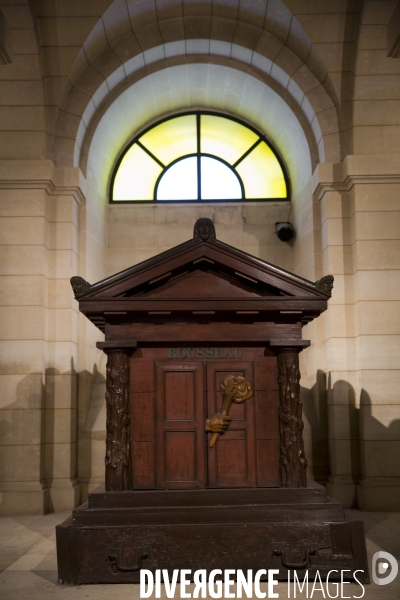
(175, 92)
(133, 40)
(260, 72)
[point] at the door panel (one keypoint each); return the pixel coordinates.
(143, 424)
(267, 463)
(180, 456)
(231, 463)
(179, 396)
(267, 421)
(180, 446)
(266, 396)
(266, 374)
(231, 456)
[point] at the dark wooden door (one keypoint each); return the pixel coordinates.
(180, 438)
(231, 463)
(170, 402)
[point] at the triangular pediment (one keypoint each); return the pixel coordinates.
(203, 269)
(203, 281)
(202, 278)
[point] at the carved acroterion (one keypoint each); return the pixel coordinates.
(204, 231)
(325, 284)
(79, 285)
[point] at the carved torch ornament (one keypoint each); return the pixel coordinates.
(235, 389)
(118, 472)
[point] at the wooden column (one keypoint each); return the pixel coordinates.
(118, 440)
(292, 462)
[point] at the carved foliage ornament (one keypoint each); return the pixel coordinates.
(118, 472)
(204, 231)
(293, 463)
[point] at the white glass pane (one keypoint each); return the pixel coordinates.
(179, 182)
(136, 176)
(218, 181)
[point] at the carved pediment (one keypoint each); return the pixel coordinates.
(200, 276)
(202, 280)
(228, 268)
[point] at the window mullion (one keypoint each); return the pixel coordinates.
(198, 157)
(150, 154)
(247, 152)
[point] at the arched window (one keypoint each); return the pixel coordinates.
(199, 157)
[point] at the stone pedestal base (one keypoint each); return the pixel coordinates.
(63, 495)
(343, 489)
(34, 498)
(23, 498)
(379, 493)
(114, 535)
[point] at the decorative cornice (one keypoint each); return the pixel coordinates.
(120, 345)
(368, 169)
(42, 175)
(43, 184)
(351, 180)
(289, 343)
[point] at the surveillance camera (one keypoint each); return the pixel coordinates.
(285, 231)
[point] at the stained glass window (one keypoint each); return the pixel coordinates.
(199, 157)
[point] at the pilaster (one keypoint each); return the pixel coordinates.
(360, 217)
(39, 218)
(118, 467)
(293, 463)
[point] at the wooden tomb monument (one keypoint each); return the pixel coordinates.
(205, 463)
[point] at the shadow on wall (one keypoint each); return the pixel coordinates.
(46, 438)
(345, 441)
(315, 410)
(91, 428)
(84, 431)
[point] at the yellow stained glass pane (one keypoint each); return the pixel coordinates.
(136, 176)
(225, 138)
(262, 174)
(172, 139)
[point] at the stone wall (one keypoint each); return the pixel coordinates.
(78, 80)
